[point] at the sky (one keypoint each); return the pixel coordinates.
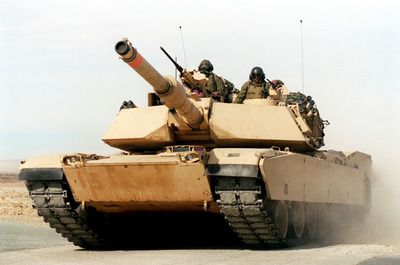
(61, 82)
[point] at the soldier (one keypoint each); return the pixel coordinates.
(215, 86)
(256, 87)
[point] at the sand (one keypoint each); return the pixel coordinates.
(15, 204)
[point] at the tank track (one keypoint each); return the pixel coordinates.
(53, 202)
(242, 202)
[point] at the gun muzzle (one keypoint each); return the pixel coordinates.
(122, 48)
(135, 60)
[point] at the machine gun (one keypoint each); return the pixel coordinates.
(193, 80)
(274, 86)
(275, 83)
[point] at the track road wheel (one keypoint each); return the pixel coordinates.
(311, 220)
(299, 219)
(282, 218)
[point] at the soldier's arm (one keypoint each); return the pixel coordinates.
(242, 94)
(222, 91)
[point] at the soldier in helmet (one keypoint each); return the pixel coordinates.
(215, 86)
(256, 87)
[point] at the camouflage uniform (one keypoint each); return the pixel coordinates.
(215, 83)
(253, 90)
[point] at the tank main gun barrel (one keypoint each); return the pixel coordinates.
(166, 87)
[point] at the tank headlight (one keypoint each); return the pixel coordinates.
(72, 159)
(188, 157)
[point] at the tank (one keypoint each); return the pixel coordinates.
(256, 166)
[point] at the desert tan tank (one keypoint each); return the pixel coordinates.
(254, 165)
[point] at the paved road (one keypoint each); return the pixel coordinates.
(337, 254)
(22, 244)
(15, 236)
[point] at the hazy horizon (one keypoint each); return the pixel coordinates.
(9, 166)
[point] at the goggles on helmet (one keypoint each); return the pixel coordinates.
(204, 66)
(254, 75)
(205, 70)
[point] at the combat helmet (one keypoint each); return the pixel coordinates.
(205, 65)
(257, 71)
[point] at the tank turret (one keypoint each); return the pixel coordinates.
(185, 118)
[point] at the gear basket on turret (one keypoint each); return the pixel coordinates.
(254, 164)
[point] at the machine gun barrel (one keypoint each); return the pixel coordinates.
(178, 67)
(272, 84)
(166, 87)
(191, 79)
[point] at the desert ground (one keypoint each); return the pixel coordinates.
(15, 204)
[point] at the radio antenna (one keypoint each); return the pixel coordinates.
(176, 70)
(302, 58)
(183, 45)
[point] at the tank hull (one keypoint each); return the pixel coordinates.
(140, 183)
(254, 189)
(296, 177)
